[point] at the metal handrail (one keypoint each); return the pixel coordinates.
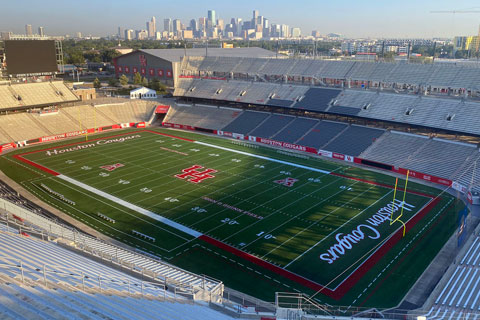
(55, 228)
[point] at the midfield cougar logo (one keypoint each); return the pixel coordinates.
(196, 176)
(287, 182)
(112, 167)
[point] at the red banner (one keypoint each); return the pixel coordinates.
(7, 146)
(423, 176)
(177, 126)
(162, 109)
(141, 125)
(338, 156)
(286, 145)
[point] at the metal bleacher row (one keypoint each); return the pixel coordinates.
(433, 112)
(443, 158)
(184, 283)
(25, 126)
(40, 279)
(435, 75)
(458, 295)
(31, 94)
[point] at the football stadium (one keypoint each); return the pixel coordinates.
(265, 188)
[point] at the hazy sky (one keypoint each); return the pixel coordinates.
(352, 18)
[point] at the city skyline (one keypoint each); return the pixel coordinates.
(349, 18)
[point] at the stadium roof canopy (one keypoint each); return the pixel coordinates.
(174, 55)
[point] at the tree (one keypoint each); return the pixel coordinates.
(144, 82)
(109, 54)
(75, 58)
(137, 78)
(156, 85)
(123, 80)
(96, 83)
(113, 82)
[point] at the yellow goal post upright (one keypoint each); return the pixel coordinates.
(397, 219)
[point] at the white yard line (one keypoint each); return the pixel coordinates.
(263, 157)
(129, 205)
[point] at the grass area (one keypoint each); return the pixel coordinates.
(300, 214)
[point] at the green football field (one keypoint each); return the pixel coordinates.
(239, 212)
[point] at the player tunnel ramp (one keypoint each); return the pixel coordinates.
(185, 283)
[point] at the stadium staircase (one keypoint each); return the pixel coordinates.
(259, 125)
(69, 116)
(299, 140)
(6, 135)
(15, 94)
(280, 129)
(105, 115)
(39, 123)
(335, 137)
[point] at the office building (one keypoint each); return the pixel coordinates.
(28, 30)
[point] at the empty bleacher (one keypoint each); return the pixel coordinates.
(434, 112)
(250, 66)
(43, 93)
(276, 67)
(62, 266)
(458, 295)
(62, 91)
(441, 157)
(321, 134)
(20, 127)
(354, 140)
(301, 68)
(46, 303)
(435, 75)
(246, 122)
(295, 130)
(288, 92)
(7, 98)
(361, 71)
(202, 117)
(317, 99)
(394, 148)
(25, 126)
(272, 125)
(182, 86)
(336, 70)
(54, 282)
(257, 93)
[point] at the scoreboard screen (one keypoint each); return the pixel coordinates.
(30, 57)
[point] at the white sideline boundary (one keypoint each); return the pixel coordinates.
(263, 157)
(129, 205)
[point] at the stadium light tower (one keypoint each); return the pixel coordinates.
(463, 11)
